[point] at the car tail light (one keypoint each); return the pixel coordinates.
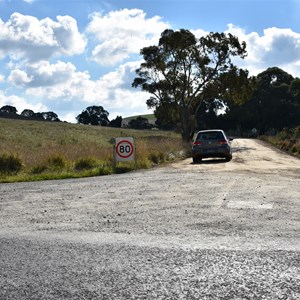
(197, 143)
(222, 142)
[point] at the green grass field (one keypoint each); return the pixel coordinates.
(150, 117)
(50, 150)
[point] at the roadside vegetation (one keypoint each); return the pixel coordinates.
(35, 150)
(193, 84)
(287, 140)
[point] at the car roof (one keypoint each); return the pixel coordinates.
(211, 130)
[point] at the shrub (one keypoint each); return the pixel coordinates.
(295, 149)
(287, 140)
(296, 132)
(38, 169)
(85, 164)
(157, 157)
(143, 163)
(284, 134)
(57, 162)
(284, 145)
(104, 170)
(10, 164)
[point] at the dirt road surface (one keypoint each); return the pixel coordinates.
(214, 230)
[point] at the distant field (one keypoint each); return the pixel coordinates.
(151, 119)
(36, 142)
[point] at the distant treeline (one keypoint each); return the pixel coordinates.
(92, 115)
(8, 111)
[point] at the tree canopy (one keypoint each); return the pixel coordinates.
(50, 116)
(273, 105)
(140, 123)
(117, 122)
(8, 109)
(182, 71)
(28, 113)
(11, 111)
(93, 115)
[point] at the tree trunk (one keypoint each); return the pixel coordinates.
(186, 135)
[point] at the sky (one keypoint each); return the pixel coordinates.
(65, 55)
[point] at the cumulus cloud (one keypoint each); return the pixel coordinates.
(119, 90)
(31, 46)
(28, 38)
(276, 47)
(62, 83)
(123, 33)
(42, 74)
(20, 103)
(199, 33)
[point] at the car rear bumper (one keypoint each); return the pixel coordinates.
(222, 152)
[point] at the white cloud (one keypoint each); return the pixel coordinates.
(69, 117)
(62, 84)
(19, 78)
(123, 33)
(117, 92)
(30, 46)
(277, 47)
(20, 103)
(42, 74)
(28, 38)
(199, 33)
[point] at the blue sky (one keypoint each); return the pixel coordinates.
(66, 55)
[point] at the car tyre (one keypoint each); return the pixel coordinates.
(228, 158)
(196, 160)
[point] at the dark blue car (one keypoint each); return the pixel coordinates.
(210, 144)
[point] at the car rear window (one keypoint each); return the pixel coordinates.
(214, 135)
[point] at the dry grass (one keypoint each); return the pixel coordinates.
(287, 140)
(38, 144)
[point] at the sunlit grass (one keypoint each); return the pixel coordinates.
(62, 150)
(287, 140)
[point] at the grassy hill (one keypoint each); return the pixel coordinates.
(151, 119)
(57, 150)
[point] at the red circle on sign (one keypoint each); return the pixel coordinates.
(128, 154)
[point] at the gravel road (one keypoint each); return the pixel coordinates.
(214, 230)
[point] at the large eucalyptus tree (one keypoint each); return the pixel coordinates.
(179, 71)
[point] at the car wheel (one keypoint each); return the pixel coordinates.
(228, 158)
(196, 160)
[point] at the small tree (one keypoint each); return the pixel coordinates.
(39, 116)
(117, 122)
(93, 115)
(50, 116)
(8, 109)
(28, 113)
(139, 123)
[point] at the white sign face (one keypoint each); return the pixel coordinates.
(124, 149)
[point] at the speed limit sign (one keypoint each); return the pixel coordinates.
(124, 150)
